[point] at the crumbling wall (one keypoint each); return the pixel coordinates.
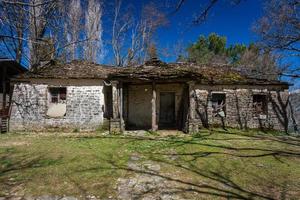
(278, 115)
(239, 108)
(294, 112)
(30, 102)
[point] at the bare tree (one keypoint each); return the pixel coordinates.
(258, 64)
(279, 30)
(27, 22)
(121, 25)
(73, 26)
(38, 30)
(13, 19)
(131, 37)
(204, 12)
(93, 29)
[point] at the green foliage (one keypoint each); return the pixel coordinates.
(213, 49)
(154, 133)
(251, 60)
(234, 52)
(206, 48)
(216, 44)
(76, 130)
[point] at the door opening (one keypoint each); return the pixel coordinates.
(167, 110)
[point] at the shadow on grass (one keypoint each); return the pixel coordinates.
(202, 141)
(218, 186)
(219, 183)
(12, 167)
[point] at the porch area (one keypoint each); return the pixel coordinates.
(151, 105)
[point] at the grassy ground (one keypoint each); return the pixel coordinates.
(208, 165)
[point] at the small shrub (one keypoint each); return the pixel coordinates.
(76, 130)
(154, 133)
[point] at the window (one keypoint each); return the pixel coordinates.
(260, 106)
(57, 107)
(218, 104)
(58, 94)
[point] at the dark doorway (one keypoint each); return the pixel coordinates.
(167, 110)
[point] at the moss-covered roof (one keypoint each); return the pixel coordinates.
(153, 70)
(206, 74)
(73, 70)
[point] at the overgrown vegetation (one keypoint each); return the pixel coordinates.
(209, 164)
(250, 60)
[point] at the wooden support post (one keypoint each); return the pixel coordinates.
(115, 100)
(192, 100)
(4, 71)
(121, 106)
(153, 101)
(192, 127)
(116, 123)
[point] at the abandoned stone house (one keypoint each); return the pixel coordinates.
(156, 95)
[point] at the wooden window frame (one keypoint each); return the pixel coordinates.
(60, 93)
(260, 104)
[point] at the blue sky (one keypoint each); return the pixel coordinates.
(226, 19)
(233, 21)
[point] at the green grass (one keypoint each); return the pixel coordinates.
(207, 165)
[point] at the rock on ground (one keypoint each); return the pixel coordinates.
(146, 183)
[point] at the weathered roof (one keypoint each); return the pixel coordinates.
(73, 70)
(207, 74)
(153, 70)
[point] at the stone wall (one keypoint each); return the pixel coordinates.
(239, 108)
(84, 107)
(294, 112)
(85, 104)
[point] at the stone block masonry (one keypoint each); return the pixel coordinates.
(239, 108)
(294, 112)
(84, 108)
